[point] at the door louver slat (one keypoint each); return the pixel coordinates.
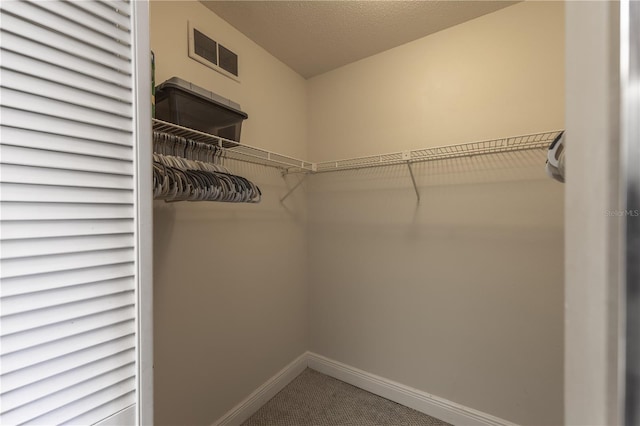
(26, 83)
(59, 280)
(19, 397)
(65, 194)
(49, 404)
(22, 341)
(104, 410)
(109, 12)
(46, 211)
(70, 28)
(18, 45)
(62, 126)
(47, 229)
(53, 107)
(12, 173)
(58, 366)
(42, 317)
(58, 73)
(63, 262)
(51, 38)
(60, 143)
(86, 19)
(13, 249)
(62, 160)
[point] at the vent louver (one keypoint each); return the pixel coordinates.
(211, 53)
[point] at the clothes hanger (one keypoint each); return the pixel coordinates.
(186, 169)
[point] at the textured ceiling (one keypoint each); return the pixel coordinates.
(314, 37)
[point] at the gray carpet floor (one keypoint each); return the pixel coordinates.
(315, 399)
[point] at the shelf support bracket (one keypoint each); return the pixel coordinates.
(293, 188)
(406, 156)
(413, 180)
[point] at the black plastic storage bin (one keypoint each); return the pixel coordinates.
(185, 104)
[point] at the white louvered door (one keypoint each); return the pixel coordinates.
(74, 210)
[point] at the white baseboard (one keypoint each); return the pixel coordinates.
(264, 393)
(431, 405)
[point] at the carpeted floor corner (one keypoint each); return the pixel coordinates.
(314, 399)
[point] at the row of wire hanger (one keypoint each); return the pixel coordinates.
(188, 170)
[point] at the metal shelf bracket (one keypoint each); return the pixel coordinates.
(293, 188)
(406, 155)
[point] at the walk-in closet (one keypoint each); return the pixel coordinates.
(319, 212)
(425, 242)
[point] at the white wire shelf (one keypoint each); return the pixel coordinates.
(515, 143)
(246, 153)
(235, 150)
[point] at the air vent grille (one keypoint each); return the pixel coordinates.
(211, 53)
(205, 47)
(228, 60)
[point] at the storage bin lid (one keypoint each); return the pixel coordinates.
(185, 86)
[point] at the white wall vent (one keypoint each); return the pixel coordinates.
(211, 53)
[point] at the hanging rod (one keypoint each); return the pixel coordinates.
(491, 146)
(235, 150)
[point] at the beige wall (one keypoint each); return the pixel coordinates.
(461, 296)
(230, 280)
(497, 75)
